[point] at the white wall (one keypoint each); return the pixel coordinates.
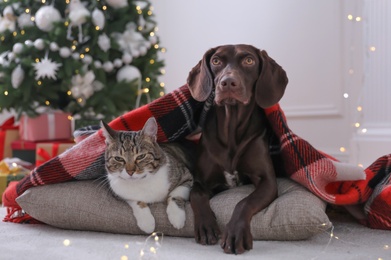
(375, 117)
(306, 37)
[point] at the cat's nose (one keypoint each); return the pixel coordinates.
(130, 169)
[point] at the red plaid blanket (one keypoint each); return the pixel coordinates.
(178, 115)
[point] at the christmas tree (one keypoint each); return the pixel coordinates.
(96, 58)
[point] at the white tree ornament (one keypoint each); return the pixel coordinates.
(8, 12)
(17, 48)
(76, 56)
(128, 73)
(46, 16)
(142, 4)
(29, 43)
(132, 41)
(4, 59)
(6, 24)
(98, 18)
(24, 20)
(98, 64)
(127, 58)
(117, 3)
(39, 44)
(108, 66)
(78, 15)
(11, 56)
(87, 59)
(85, 86)
(65, 52)
(53, 46)
(104, 42)
(118, 63)
(46, 68)
(17, 76)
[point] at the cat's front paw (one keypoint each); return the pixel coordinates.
(146, 223)
(176, 215)
(144, 218)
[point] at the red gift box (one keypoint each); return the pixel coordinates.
(46, 127)
(8, 133)
(26, 150)
(46, 151)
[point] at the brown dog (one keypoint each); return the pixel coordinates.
(233, 146)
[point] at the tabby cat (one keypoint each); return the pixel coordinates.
(141, 171)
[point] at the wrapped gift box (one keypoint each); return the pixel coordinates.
(8, 174)
(46, 127)
(26, 150)
(46, 151)
(5, 179)
(8, 133)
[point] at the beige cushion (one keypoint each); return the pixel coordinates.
(87, 205)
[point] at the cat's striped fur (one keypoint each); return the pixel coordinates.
(140, 171)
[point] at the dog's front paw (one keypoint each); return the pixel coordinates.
(176, 215)
(206, 229)
(237, 238)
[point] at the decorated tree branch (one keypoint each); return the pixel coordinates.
(96, 58)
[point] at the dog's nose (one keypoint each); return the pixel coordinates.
(228, 82)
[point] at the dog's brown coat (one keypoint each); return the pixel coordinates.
(233, 146)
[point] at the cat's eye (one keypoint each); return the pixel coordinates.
(140, 157)
(118, 159)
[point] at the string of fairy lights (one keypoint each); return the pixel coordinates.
(149, 248)
(356, 24)
(154, 242)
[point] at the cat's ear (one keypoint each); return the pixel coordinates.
(108, 132)
(150, 128)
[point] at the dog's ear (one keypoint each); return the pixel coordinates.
(200, 80)
(271, 83)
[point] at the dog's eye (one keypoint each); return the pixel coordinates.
(216, 61)
(249, 61)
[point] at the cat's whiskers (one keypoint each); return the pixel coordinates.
(102, 182)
